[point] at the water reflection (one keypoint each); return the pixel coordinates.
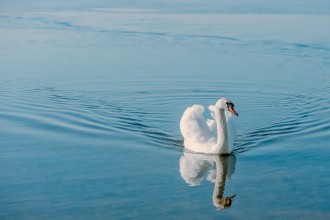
(217, 169)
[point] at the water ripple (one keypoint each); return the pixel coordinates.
(153, 114)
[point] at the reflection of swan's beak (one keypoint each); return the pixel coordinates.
(225, 202)
(232, 110)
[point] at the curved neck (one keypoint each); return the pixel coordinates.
(221, 129)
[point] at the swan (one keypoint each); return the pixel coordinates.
(212, 136)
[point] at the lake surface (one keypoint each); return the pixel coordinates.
(91, 95)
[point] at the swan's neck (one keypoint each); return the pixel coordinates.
(222, 140)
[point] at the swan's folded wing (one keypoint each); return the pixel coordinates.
(212, 127)
(211, 108)
(193, 125)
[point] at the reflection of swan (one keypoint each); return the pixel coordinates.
(211, 136)
(220, 168)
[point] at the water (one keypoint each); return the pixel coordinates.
(92, 94)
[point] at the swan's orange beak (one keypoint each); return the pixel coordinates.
(232, 110)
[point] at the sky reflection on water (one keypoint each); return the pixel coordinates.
(92, 94)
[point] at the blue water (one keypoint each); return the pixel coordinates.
(91, 95)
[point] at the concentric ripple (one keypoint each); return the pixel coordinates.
(152, 116)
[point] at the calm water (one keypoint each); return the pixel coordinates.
(91, 95)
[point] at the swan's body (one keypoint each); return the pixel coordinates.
(209, 136)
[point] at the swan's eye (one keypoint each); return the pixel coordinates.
(230, 104)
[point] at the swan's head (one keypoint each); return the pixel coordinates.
(226, 105)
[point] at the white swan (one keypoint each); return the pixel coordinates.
(212, 136)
